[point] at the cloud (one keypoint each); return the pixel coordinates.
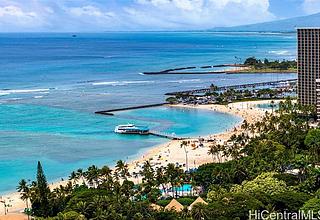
(13, 15)
(91, 18)
(311, 6)
(197, 14)
(90, 11)
(98, 15)
(15, 11)
(179, 4)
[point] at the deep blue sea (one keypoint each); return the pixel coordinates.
(51, 84)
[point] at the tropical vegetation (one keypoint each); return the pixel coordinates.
(272, 165)
(257, 65)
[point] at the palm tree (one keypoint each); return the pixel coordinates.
(80, 175)
(185, 214)
(211, 152)
(25, 193)
(105, 176)
(199, 211)
(161, 178)
(100, 214)
(302, 163)
(122, 170)
(68, 188)
(184, 144)
(214, 150)
(245, 125)
(82, 207)
(272, 105)
(312, 141)
(173, 174)
(148, 178)
(73, 177)
(99, 202)
(92, 175)
(252, 128)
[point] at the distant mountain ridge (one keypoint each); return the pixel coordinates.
(286, 25)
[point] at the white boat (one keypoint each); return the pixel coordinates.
(131, 129)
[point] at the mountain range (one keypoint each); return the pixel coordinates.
(285, 25)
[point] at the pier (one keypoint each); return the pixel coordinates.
(185, 73)
(110, 111)
(205, 90)
(173, 71)
(166, 135)
(151, 132)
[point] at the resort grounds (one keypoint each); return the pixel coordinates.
(171, 152)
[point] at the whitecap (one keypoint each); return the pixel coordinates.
(184, 81)
(104, 83)
(120, 83)
(4, 93)
(138, 82)
(279, 52)
(15, 91)
(13, 99)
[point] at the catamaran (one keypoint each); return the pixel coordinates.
(131, 129)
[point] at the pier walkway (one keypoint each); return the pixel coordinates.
(166, 135)
(270, 83)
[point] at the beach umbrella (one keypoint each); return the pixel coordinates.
(174, 205)
(198, 200)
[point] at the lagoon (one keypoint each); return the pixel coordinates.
(65, 140)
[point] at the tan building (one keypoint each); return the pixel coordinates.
(308, 65)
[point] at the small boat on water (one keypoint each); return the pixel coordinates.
(131, 129)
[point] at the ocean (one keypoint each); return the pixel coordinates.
(51, 85)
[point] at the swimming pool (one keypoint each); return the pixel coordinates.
(183, 188)
(268, 106)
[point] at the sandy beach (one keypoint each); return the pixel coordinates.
(170, 152)
(197, 149)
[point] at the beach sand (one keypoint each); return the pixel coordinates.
(170, 152)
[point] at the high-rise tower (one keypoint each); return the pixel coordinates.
(309, 66)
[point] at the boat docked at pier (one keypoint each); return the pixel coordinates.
(131, 129)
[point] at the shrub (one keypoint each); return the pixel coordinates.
(290, 179)
(164, 202)
(265, 182)
(312, 205)
(234, 206)
(186, 201)
(290, 200)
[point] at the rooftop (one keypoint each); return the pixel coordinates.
(306, 28)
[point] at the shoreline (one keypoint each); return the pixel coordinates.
(171, 151)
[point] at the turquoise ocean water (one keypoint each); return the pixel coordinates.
(50, 85)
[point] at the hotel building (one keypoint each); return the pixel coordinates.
(309, 67)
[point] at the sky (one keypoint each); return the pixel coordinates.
(150, 15)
